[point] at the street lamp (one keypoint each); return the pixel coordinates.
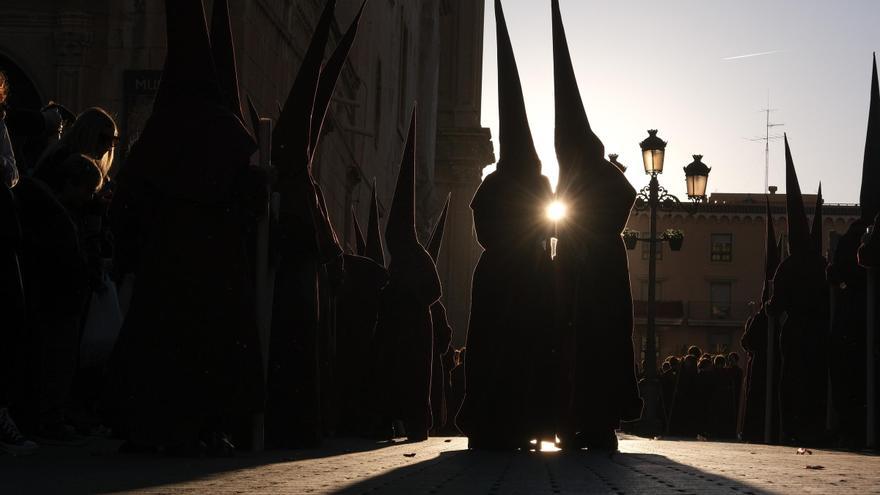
(652, 197)
(653, 153)
(697, 175)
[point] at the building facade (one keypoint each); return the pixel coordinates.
(708, 289)
(110, 53)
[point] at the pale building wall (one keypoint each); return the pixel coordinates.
(686, 276)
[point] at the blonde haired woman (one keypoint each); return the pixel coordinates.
(94, 134)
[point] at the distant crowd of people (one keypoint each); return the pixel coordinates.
(701, 394)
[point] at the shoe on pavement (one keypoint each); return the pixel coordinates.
(11, 439)
(59, 434)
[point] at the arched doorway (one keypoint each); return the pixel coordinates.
(23, 95)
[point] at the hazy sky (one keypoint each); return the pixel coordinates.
(672, 66)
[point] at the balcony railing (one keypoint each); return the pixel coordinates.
(697, 312)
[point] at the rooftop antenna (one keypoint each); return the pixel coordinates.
(766, 139)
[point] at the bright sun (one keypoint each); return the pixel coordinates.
(556, 211)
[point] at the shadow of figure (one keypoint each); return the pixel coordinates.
(481, 471)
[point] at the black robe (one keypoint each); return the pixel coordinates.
(847, 364)
(595, 300)
(405, 339)
(754, 341)
(188, 356)
(356, 323)
(800, 289)
(511, 320)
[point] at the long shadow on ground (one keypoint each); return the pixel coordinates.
(470, 472)
(98, 468)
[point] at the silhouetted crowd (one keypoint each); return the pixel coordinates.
(701, 394)
(134, 290)
(192, 297)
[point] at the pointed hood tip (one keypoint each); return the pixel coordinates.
(574, 136)
(223, 50)
(329, 76)
(437, 235)
(771, 252)
(291, 138)
(798, 225)
(517, 147)
(401, 227)
(189, 70)
(359, 241)
(374, 248)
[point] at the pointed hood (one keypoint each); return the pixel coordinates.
(782, 250)
(771, 255)
(870, 193)
(290, 140)
(360, 243)
(254, 115)
(223, 48)
(816, 232)
(189, 74)
(327, 83)
(575, 139)
(375, 249)
(437, 236)
(400, 231)
(518, 153)
(798, 225)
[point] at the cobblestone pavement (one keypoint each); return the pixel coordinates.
(443, 466)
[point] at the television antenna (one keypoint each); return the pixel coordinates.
(766, 140)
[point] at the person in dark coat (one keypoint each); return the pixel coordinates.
(801, 291)
(187, 366)
(442, 335)
(405, 328)
(511, 319)
(592, 259)
(56, 290)
(684, 418)
(305, 244)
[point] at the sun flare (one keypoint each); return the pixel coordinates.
(556, 211)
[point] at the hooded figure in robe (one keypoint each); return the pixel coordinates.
(306, 244)
(800, 290)
(442, 335)
(595, 302)
(511, 318)
(187, 365)
(848, 282)
(356, 323)
(404, 332)
(754, 341)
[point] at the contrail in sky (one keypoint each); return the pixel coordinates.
(751, 55)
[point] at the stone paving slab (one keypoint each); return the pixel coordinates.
(444, 466)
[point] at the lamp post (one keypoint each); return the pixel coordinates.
(653, 197)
